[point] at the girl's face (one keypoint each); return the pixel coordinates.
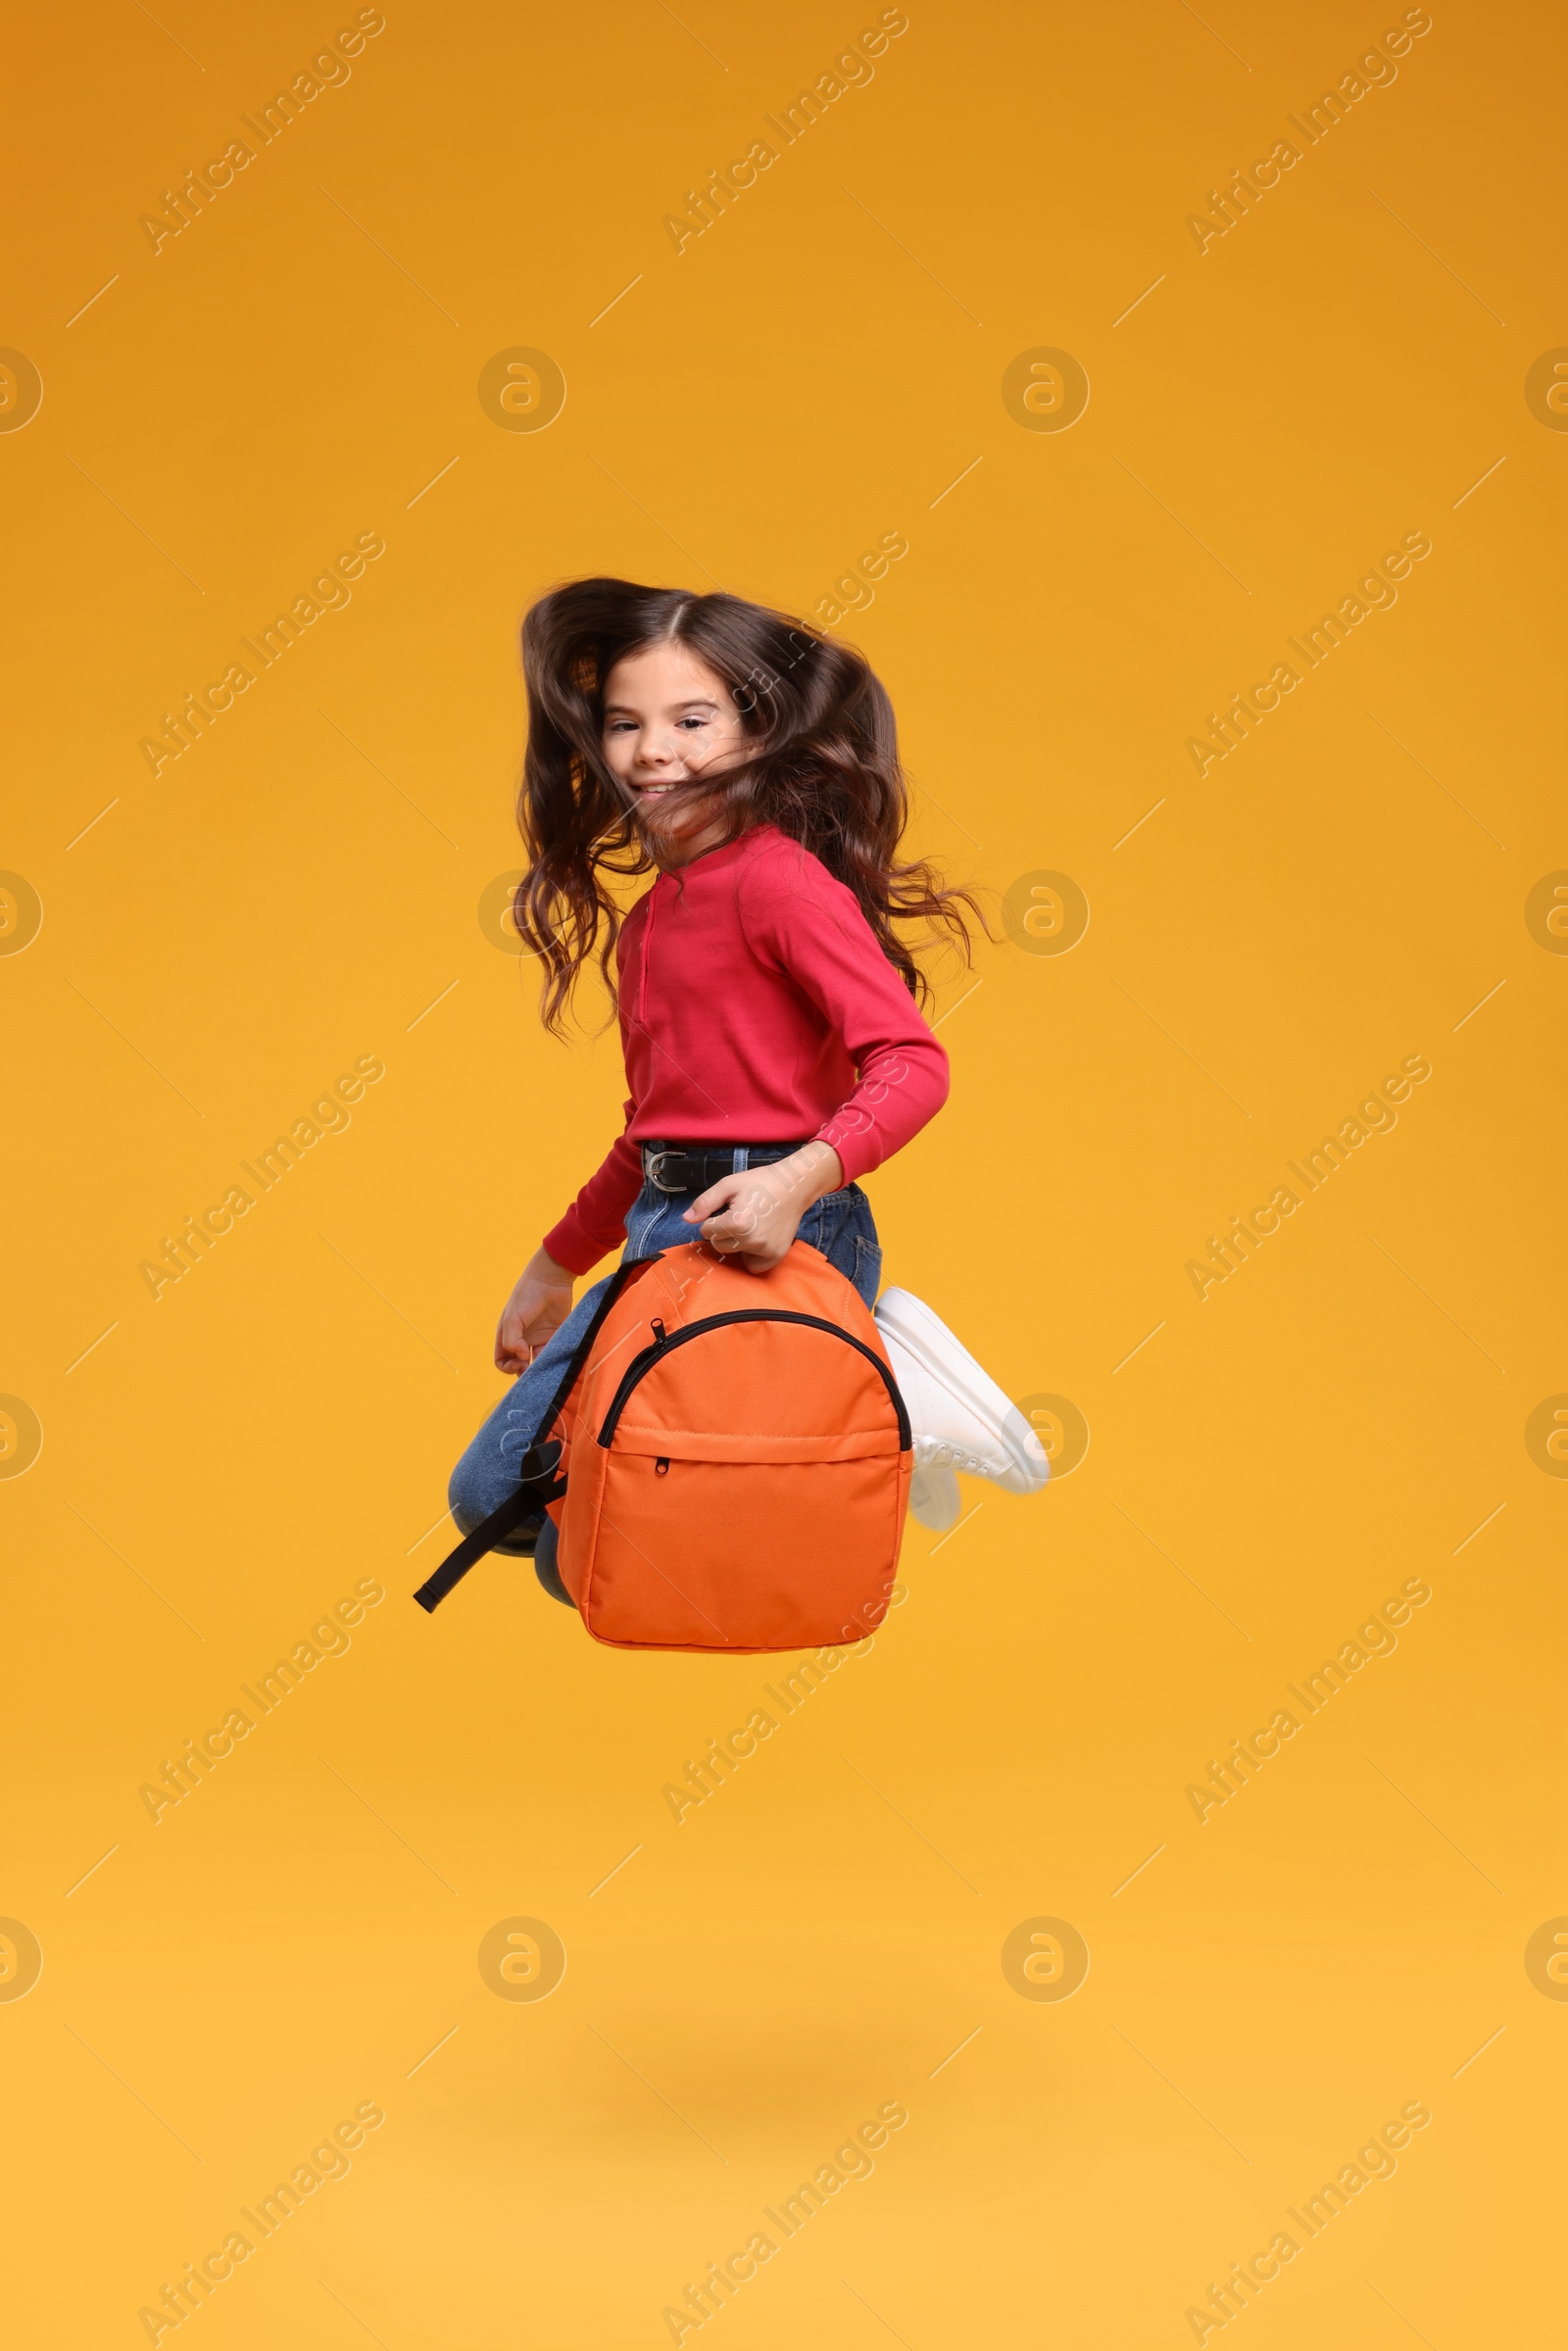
(669, 719)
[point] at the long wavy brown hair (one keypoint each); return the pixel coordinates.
(821, 763)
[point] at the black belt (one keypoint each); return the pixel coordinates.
(691, 1167)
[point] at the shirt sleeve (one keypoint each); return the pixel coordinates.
(596, 1221)
(811, 926)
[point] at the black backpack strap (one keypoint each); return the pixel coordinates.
(584, 1346)
(539, 1485)
(535, 1494)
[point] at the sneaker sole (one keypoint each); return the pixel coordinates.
(922, 1335)
(933, 1499)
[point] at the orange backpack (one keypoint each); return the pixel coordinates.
(727, 1459)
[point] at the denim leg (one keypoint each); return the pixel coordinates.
(840, 1226)
(843, 1228)
(488, 1470)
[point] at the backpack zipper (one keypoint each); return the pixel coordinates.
(643, 1363)
(584, 1346)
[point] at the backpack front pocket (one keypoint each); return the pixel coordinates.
(761, 1510)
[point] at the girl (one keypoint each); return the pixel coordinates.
(767, 1012)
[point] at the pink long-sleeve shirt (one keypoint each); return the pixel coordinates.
(755, 1006)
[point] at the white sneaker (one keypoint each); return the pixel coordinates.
(933, 1493)
(959, 1416)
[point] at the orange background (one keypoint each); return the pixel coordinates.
(302, 888)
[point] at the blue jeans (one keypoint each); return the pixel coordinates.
(840, 1225)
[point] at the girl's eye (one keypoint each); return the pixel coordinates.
(693, 720)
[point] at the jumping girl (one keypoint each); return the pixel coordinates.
(768, 1004)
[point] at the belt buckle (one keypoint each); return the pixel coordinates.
(656, 1161)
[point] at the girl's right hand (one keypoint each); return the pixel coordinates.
(533, 1313)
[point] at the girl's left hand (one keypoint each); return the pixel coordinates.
(755, 1216)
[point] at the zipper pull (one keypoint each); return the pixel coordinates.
(658, 1333)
